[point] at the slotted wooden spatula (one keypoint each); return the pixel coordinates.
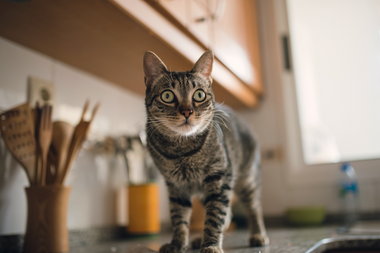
(18, 133)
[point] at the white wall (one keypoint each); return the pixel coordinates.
(284, 185)
(92, 200)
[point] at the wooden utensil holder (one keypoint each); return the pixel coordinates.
(46, 229)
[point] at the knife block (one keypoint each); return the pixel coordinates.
(46, 229)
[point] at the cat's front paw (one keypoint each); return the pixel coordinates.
(258, 240)
(169, 248)
(196, 243)
(211, 249)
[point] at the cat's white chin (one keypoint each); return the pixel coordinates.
(187, 129)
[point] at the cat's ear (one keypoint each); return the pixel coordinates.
(204, 65)
(153, 67)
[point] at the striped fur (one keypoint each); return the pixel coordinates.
(208, 154)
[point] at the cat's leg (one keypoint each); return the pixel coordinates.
(217, 207)
(197, 242)
(180, 210)
(248, 189)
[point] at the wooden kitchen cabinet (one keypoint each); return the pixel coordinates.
(190, 15)
(236, 41)
(229, 28)
(107, 38)
(178, 25)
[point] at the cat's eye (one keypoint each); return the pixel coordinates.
(167, 96)
(199, 95)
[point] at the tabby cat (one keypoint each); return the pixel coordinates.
(201, 149)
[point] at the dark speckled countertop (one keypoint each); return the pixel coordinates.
(284, 240)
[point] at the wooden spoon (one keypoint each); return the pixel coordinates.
(79, 135)
(62, 135)
(44, 139)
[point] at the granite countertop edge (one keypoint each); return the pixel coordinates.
(284, 240)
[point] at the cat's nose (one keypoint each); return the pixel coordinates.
(185, 111)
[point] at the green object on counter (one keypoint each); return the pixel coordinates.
(306, 216)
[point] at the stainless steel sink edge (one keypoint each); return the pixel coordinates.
(347, 242)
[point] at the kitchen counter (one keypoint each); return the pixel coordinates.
(294, 240)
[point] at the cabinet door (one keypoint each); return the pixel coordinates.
(193, 16)
(228, 28)
(179, 9)
(236, 40)
(200, 22)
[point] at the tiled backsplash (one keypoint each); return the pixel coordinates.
(92, 178)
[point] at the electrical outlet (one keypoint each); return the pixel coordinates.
(41, 91)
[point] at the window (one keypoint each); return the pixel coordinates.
(335, 46)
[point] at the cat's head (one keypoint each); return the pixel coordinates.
(179, 103)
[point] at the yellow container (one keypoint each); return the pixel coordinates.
(143, 204)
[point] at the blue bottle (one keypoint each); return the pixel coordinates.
(349, 195)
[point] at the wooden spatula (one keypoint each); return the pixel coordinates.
(62, 135)
(44, 139)
(79, 135)
(18, 133)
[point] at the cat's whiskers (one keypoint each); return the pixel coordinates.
(224, 123)
(156, 127)
(223, 116)
(219, 105)
(162, 124)
(217, 128)
(220, 112)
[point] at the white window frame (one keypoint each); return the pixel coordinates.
(297, 174)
